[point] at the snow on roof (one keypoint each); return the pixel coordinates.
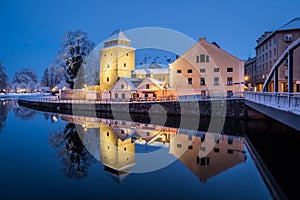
(158, 83)
(151, 71)
(118, 45)
(118, 35)
(131, 82)
(151, 65)
(293, 24)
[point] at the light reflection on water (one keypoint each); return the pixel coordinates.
(45, 153)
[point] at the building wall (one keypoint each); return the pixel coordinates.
(214, 66)
(114, 152)
(250, 73)
(122, 94)
(115, 62)
(268, 50)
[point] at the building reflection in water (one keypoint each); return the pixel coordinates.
(121, 140)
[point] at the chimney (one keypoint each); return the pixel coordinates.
(202, 39)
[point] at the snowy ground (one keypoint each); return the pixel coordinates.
(18, 95)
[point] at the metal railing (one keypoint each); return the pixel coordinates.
(289, 102)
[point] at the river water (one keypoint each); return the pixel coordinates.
(59, 156)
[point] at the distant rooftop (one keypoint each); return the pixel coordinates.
(151, 65)
(293, 24)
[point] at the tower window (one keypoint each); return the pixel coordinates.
(124, 64)
(107, 65)
(126, 54)
(104, 55)
(107, 79)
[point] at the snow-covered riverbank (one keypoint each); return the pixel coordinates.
(20, 95)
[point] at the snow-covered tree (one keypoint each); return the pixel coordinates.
(25, 80)
(3, 79)
(91, 68)
(53, 76)
(76, 47)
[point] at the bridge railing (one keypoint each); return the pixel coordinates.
(283, 101)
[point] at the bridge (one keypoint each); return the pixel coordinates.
(283, 106)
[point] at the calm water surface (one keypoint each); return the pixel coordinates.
(51, 156)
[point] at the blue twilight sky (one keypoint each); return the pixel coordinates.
(31, 30)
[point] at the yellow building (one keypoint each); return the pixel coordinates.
(117, 151)
(206, 69)
(117, 59)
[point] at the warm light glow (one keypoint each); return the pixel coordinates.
(54, 118)
(85, 129)
(21, 90)
(246, 78)
(54, 89)
(64, 87)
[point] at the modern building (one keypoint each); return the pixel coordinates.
(208, 70)
(269, 48)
